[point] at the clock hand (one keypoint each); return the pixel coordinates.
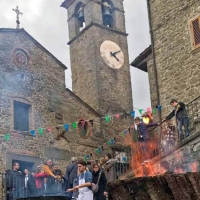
(117, 52)
(112, 54)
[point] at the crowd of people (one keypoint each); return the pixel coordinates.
(87, 181)
(81, 180)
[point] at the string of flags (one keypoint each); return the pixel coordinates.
(109, 143)
(74, 125)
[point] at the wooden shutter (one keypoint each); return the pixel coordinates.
(195, 32)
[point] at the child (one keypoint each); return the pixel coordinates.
(169, 134)
(143, 135)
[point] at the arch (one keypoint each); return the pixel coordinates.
(79, 22)
(107, 13)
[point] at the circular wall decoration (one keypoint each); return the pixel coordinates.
(20, 58)
(84, 129)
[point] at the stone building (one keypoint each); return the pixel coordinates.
(33, 93)
(173, 65)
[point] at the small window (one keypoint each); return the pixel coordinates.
(195, 32)
(84, 128)
(21, 116)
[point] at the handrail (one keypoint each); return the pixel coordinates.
(152, 129)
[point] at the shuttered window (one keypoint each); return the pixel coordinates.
(195, 32)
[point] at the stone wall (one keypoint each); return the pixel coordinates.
(41, 84)
(177, 63)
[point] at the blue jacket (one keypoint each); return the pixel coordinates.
(142, 129)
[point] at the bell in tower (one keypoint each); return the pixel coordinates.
(81, 19)
(107, 16)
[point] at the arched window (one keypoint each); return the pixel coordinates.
(84, 128)
(79, 15)
(107, 10)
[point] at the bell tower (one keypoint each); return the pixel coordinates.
(99, 54)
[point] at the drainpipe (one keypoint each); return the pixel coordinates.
(154, 58)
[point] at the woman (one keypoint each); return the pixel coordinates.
(102, 191)
(39, 180)
(29, 183)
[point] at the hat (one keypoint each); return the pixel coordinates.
(74, 159)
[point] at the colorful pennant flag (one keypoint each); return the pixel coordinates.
(140, 111)
(126, 132)
(32, 132)
(99, 149)
(122, 134)
(88, 157)
(41, 130)
(96, 151)
(66, 126)
(154, 111)
(107, 119)
(49, 129)
(7, 137)
(85, 159)
(124, 159)
(74, 125)
(112, 141)
(109, 143)
(133, 113)
(117, 116)
(159, 107)
(15, 134)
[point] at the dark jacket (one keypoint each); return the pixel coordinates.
(30, 189)
(179, 111)
(142, 130)
(102, 185)
(71, 173)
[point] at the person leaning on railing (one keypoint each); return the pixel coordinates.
(181, 116)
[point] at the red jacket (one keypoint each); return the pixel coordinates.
(39, 179)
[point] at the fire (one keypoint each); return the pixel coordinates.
(194, 166)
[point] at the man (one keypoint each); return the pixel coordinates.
(181, 115)
(72, 171)
(84, 183)
(15, 182)
(143, 136)
(110, 171)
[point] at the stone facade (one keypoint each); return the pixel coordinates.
(31, 75)
(176, 61)
(41, 85)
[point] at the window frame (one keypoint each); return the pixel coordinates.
(192, 36)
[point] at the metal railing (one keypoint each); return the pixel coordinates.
(139, 152)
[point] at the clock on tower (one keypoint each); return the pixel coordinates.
(99, 54)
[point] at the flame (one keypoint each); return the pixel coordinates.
(194, 166)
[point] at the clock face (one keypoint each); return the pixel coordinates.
(112, 54)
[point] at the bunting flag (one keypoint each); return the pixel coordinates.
(112, 141)
(7, 137)
(15, 134)
(122, 134)
(49, 129)
(66, 126)
(149, 111)
(74, 125)
(159, 107)
(109, 143)
(105, 145)
(85, 159)
(96, 151)
(154, 111)
(41, 130)
(32, 132)
(107, 119)
(99, 149)
(133, 113)
(124, 159)
(140, 110)
(133, 126)
(117, 116)
(88, 157)
(126, 132)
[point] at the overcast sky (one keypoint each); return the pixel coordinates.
(46, 21)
